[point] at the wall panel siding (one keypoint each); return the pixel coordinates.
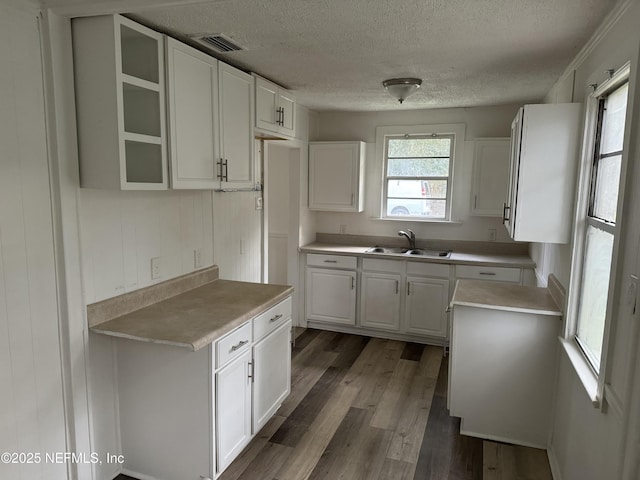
(122, 231)
(31, 397)
(238, 236)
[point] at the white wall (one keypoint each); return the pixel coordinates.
(32, 411)
(479, 122)
(587, 443)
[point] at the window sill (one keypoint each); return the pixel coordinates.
(583, 370)
(416, 220)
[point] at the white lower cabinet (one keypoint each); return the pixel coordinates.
(330, 290)
(426, 306)
(187, 415)
(271, 385)
(233, 409)
(380, 301)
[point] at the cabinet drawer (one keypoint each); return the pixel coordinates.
(233, 344)
(498, 274)
(380, 265)
(331, 261)
(428, 269)
(271, 319)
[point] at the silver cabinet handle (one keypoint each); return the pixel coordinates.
(240, 344)
(475, 201)
(505, 208)
(408, 288)
(251, 373)
(353, 283)
(330, 261)
(397, 286)
(492, 274)
(226, 170)
(219, 164)
(276, 318)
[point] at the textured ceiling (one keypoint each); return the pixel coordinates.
(335, 53)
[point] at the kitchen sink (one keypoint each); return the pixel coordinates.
(421, 252)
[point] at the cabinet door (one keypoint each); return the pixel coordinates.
(490, 176)
(335, 170)
(193, 116)
(287, 105)
(119, 69)
(426, 306)
(233, 409)
(266, 105)
(331, 296)
(271, 374)
(509, 209)
(380, 301)
(236, 126)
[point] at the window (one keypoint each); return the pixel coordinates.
(600, 223)
(417, 179)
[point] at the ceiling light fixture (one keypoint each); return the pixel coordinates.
(401, 88)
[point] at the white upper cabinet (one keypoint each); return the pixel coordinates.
(544, 154)
(236, 101)
(210, 120)
(490, 176)
(192, 87)
(120, 104)
(336, 176)
(275, 109)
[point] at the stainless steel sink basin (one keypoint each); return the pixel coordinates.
(405, 251)
(392, 250)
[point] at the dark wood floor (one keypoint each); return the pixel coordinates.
(373, 409)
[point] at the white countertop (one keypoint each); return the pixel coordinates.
(503, 296)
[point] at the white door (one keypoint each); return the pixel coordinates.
(380, 304)
(426, 306)
(266, 105)
(193, 116)
(271, 374)
(233, 409)
(236, 131)
(331, 295)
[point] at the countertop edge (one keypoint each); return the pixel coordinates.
(452, 260)
(533, 311)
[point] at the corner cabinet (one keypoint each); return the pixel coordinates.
(543, 161)
(490, 176)
(120, 103)
(336, 176)
(189, 414)
(275, 108)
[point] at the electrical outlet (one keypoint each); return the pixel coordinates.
(197, 258)
(258, 203)
(492, 234)
(343, 229)
(155, 268)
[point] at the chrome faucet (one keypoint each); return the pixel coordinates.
(411, 237)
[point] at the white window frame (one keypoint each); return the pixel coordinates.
(456, 130)
(593, 382)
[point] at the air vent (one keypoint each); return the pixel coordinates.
(217, 42)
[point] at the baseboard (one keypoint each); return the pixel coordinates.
(553, 463)
(139, 476)
(370, 332)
